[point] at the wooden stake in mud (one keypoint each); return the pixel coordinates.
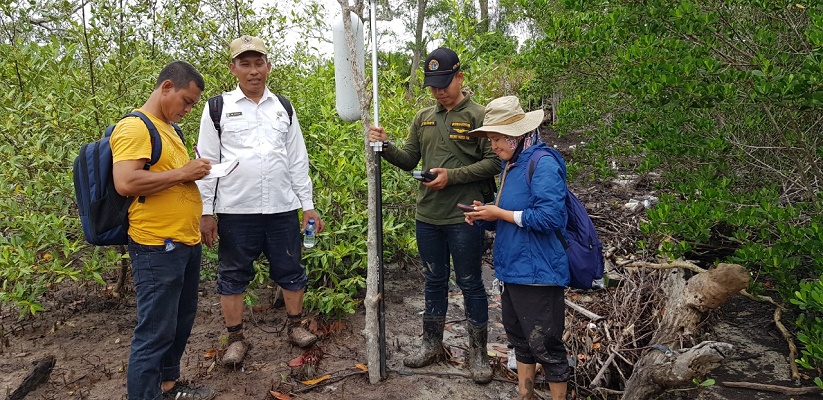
(374, 330)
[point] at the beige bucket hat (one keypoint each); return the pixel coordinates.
(505, 116)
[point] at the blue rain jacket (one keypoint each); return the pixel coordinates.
(531, 255)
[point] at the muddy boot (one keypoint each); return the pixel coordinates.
(235, 353)
(431, 349)
(237, 348)
(298, 333)
(478, 358)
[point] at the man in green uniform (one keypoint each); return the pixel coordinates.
(463, 165)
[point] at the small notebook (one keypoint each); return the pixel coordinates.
(222, 169)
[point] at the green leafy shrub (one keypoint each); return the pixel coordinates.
(809, 299)
(64, 89)
(721, 99)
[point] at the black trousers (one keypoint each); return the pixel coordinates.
(534, 319)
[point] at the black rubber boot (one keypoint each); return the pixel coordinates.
(478, 358)
(431, 349)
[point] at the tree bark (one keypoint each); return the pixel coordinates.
(668, 364)
(418, 48)
(484, 16)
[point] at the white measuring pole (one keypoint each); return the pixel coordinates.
(377, 146)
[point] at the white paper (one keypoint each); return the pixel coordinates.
(222, 169)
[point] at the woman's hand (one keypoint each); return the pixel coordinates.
(487, 212)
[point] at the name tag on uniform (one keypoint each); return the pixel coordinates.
(234, 114)
(428, 123)
(458, 136)
(460, 131)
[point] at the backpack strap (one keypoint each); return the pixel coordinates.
(154, 137)
(215, 112)
(287, 105)
(532, 165)
(535, 157)
(179, 132)
(156, 142)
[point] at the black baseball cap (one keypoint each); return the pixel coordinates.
(441, 66)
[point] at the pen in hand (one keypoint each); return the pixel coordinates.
(196, 152)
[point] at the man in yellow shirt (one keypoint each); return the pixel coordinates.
(164, 234)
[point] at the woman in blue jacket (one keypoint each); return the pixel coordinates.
(529, 258)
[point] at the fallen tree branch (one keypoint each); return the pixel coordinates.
(608, 391)
(792, 348)
(782, 328)
(596, 380)
(659, 369)
(333, 379)
(674, 264)
(788, 391)
(592, 316)
(688, 302)
(442, 374)
(759, 298)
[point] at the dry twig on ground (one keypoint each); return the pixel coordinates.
(606, 349)
(788, 391)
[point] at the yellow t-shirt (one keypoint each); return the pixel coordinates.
(172, 213)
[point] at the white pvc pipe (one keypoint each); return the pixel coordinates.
(348, 105)
(374, 61)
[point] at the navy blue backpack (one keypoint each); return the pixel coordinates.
(583, 248)
(104, 213)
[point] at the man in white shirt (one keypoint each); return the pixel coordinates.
(256, 205)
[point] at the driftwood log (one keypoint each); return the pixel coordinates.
(38, 375)
(669, 362)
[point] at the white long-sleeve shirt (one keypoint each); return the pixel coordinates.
(273, 171)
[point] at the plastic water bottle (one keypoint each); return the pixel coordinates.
(497, 285)
(511, 362)
(308, 235)
(599, 284)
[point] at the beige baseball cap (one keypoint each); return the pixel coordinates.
(247, 43)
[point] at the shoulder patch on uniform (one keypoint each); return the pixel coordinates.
(428, 123)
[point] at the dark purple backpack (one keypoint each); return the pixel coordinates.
(583, 249)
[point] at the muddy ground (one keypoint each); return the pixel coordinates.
(89, 331)
(89, 334)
